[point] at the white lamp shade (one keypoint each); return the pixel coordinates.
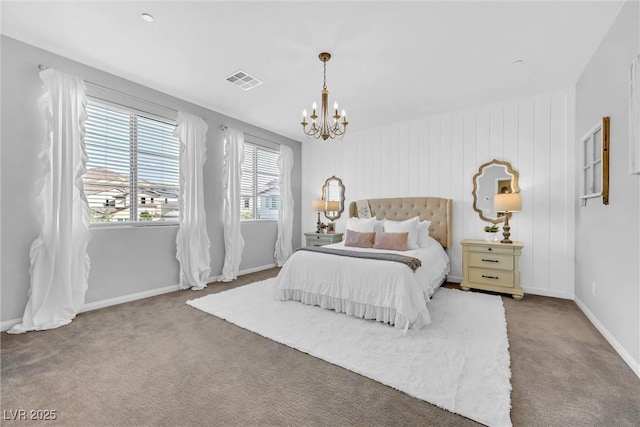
(318, 205)
(333, 206)
(507, 202)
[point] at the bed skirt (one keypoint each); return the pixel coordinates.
(364, 311)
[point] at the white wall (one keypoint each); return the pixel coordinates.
(438, 156)
(124, 261)
(607, 242)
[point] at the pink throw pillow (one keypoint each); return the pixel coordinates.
(392, 241)
(359, 240)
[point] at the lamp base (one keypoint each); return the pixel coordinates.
(318, 229)
(506, 229)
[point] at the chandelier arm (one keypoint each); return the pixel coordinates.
(312, 133)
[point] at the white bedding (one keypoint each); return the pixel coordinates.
(386, 291)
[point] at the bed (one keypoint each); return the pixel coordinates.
(388, 292)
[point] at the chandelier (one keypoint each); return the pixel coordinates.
(323, 128)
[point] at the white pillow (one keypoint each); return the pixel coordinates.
(410, 226)
(361, 225)
(424, 240)
(379, 226)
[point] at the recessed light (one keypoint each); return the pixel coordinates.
(147, 17)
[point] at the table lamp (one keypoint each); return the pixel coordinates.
(318, 206)
(507, 203)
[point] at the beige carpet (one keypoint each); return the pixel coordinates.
(160, 362)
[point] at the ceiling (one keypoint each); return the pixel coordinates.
(391, 61)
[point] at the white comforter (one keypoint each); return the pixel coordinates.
(386, 291)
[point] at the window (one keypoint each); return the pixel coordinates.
(260, 186)
(595, 163)
(133, 161)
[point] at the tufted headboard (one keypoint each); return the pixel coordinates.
(434, 209)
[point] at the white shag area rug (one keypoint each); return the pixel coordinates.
(460, 362)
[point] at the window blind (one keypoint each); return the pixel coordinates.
(260, 184)
(133, 169)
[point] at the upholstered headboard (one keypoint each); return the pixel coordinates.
(434, 209)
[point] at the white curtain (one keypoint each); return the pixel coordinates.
(59, 261)
(231, 177)
(634, 117)
(192, 242)
(284, 247)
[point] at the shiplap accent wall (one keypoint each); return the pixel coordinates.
(438, 156)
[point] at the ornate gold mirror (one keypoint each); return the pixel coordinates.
(494, 177)
(333, 191)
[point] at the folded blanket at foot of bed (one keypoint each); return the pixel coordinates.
(411, 262)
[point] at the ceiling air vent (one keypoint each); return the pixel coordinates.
(243, 80)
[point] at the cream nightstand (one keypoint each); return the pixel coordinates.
(492, 266)
(320, 239)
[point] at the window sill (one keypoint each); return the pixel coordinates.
(591, 196)
(118, 225)
(257, 221)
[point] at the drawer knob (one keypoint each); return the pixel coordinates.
(490, 277)
(490, 260)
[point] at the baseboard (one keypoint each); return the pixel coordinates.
(151, 293)
(255, 269)
(633, 364)
(8, 324)
(546, 293)
(243, 272)
(128, 298)
(533, 291)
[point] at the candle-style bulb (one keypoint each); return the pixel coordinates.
(304, 113)
(314, 106)
(344, 114)
(335, 105)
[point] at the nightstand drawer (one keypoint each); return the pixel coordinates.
(491, 260)
(495, 249)
(486, 276)
(321, 239)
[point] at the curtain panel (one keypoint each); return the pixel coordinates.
(192, 241)
(634, 116)
(231, 178)
(59, 260)
(284, 245)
